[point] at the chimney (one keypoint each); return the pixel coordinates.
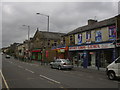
(91, 21)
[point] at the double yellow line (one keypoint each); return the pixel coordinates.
(4, 80)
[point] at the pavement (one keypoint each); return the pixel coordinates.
(78, 68)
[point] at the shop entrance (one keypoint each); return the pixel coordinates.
(103, 58)
(93, 59)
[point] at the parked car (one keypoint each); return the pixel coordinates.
(7, 56)
(113, 69)
(61, 64)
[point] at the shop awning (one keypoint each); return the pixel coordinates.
(36, 50)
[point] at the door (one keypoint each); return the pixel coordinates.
(93, 59)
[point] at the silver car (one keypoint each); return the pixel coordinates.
(61, 64)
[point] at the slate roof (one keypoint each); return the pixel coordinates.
(96, 25)
(51, 35)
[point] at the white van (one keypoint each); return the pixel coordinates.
(113, 69)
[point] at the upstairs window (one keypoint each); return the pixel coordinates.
(88, 37)
(55, 43)
(71, 38)
(112, 32)
(64, 40)
(98, 36)
(79, 38)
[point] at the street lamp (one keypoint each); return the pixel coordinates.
(28, 31)
(48, 20)
(28, 38)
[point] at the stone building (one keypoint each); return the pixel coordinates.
(42, 43)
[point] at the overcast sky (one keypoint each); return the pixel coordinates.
(64, 17)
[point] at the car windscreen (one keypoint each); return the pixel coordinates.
(66, 61)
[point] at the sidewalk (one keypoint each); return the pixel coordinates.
(80, 68)
(90, 70)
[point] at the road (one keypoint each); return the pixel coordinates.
(19, 74)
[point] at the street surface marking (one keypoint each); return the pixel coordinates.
(50, 79)
(4, 81)
(20, 66)
(50, 82)
(115, 81)
(29, 70)
(61, 87)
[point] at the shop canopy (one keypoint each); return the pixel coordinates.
(36, 50)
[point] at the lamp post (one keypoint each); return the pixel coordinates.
(44, 49)
(28, 31)
(48, 20)
(28, 39)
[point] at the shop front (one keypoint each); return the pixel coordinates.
(94, 55)
(62, 52)
(36, 55)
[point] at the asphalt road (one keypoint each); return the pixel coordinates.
(20, 74)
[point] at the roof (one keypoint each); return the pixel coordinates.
(52, 35)
(100, 24)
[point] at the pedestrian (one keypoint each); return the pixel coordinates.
(98, 63)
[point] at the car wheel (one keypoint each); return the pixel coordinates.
(111, 75)
(70, 68)
(51, 66)
(59, 67)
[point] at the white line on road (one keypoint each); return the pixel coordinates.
(4, 81)
(29, 70)
(50, 79)
(20, 66)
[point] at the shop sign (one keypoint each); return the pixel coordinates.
(88, 47)
(98, 36)
(112, 32)
(62, 50)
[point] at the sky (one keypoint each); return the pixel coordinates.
(64, 17)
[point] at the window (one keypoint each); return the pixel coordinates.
(71, 38)
(79, 38)
(112, 32)
(48, 42)
(64, 40)
(98, 36)
(88, 37)
(117, 61)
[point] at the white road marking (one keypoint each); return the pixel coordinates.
(50, 79)
(29, 70)
(20, 66)
(4, 81)
(116, 81)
